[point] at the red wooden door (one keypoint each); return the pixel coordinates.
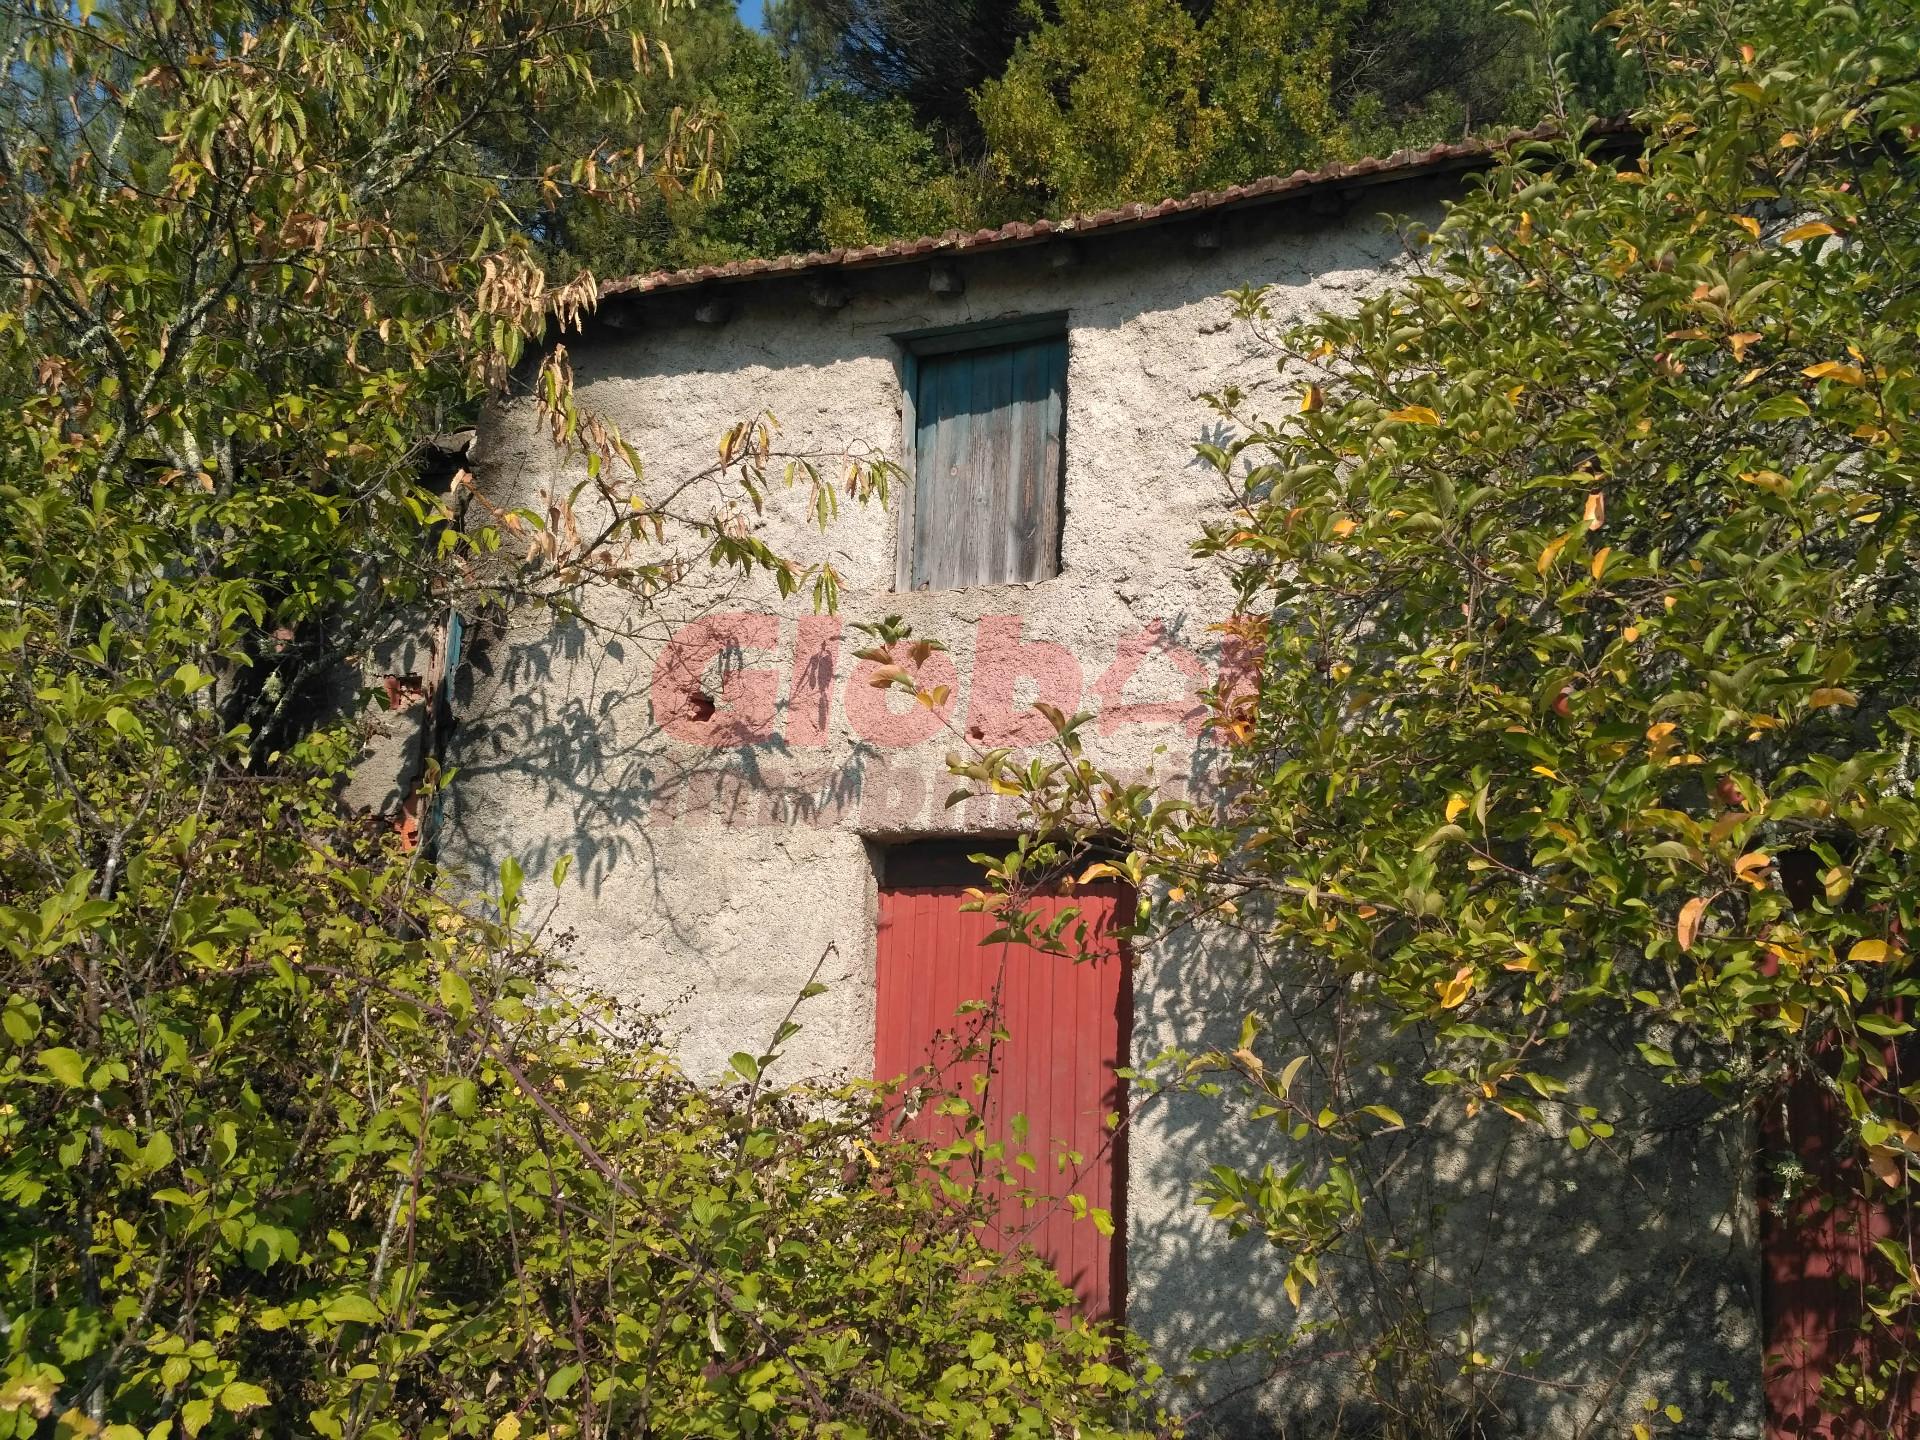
(1032, 1041)
(1819, 1264)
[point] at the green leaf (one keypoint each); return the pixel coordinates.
(455, 993)
(240, 1397)
(65, 1065)
(351, 1307)
(463, 1099)
(20, 1019)
(560, 1384)
(1882, 1025)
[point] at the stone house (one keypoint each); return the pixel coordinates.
(747, 814)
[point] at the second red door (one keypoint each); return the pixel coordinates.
(1030, 1041)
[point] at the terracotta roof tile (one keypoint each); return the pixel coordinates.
(1403, 163)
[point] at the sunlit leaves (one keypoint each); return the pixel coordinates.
(286, 1138)
(1507, 793)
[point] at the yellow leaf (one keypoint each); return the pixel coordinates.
(1813, 230)
(1596, 512)
(1543, 770)
(1834, 370)
(1886, 1165)
(1455, 991)
(1658, 733)
(1632, 632)
(1791, 140)
(1868, 952)
(508, 1428)
(1831, 695)
(1312, 400)
(1599, 562)
(1455, 804)
(29, 1393)
(1740, 343)
(1515, 393)
(1345, 526)
(1415, 415)
(1689, 927)
(1752, 868)
(1748, 224)
(1549, 554)
(1772, 481)
(1640, 1432)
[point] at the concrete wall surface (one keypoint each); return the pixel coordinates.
(718, 857)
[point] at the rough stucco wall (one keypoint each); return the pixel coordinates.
(711, 876)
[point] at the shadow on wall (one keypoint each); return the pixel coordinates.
(559, 740)
(596, 743)
(1504, 1284)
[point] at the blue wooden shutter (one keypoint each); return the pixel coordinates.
(987, 447)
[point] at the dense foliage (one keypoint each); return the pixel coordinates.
(1581, 570)
(1076, 104)
(806, 167)
(1117, 100)
(288, 1143)
(821, 170)
(302, 1147)
(932, 56)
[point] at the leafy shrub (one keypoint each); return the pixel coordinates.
(1580, 578)
(288, 1138)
